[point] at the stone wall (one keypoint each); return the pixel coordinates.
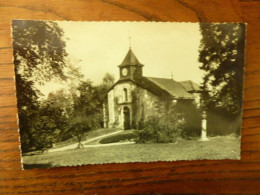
(146, 104)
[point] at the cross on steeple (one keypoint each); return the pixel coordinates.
(130, 40)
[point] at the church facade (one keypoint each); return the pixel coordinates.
(134, 97)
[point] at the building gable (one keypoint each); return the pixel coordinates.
(172, 87)
(190, 86)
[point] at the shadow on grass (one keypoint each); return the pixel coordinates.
(35, 166)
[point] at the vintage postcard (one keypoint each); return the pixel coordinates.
(117, 92)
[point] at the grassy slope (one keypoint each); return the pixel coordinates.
(86, 136)
(226, 147)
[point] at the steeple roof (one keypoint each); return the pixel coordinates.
(130, 59)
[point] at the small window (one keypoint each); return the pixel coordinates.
(125, 95)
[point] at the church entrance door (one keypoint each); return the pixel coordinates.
(126, 118)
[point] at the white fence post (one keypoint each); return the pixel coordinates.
(204, 127)
(104, 116)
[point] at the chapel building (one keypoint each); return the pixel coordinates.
(134, 97)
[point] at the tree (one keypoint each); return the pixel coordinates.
(108, 80)
(107, 83)
(87, 110)
(39, 56)
(39, 49)
(222, 57)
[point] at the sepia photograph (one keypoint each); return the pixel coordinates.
(119, 92)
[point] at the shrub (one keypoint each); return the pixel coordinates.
(192, 118)
(118, 138)
(161, 129)
(219, 122)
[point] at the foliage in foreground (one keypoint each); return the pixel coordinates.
(63, 116)
(182, 119)
(37, 60)
(161, 129)
(40, 57)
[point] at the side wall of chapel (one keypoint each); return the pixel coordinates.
(146, 104)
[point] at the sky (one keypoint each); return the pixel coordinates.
(165, 48)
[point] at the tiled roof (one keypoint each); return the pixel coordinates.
(190, 85)
(130, 59)
(146, 83)
(174, 88)
(166, 88)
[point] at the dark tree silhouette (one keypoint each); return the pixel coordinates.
(222, 57)
(39, 56)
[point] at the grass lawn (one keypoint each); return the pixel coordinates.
(222, 147)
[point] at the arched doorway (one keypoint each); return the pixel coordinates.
(126, 111)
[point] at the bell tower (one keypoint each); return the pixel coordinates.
(130, 68)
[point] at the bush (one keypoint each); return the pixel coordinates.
(219, 122)
(118, 138)
(192, 118)
(161, 129)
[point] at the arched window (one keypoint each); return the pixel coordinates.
(125, 95)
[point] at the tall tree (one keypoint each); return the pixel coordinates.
(87, 110)
(222, 57)
(39, 56)
(108, 80)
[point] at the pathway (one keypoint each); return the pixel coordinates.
(75, 145)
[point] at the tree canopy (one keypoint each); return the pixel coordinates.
(222, 58)
(39, 49)
(39, 56)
